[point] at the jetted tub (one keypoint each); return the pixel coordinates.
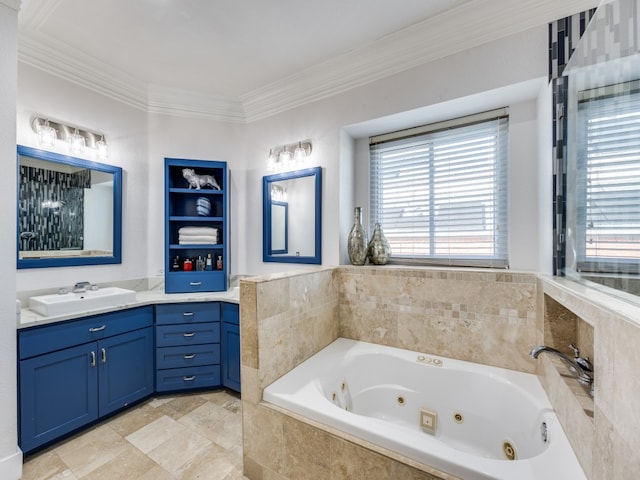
(465, 419)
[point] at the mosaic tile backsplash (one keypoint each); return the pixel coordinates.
(51, 209)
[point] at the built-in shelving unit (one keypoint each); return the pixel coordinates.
(196, 226)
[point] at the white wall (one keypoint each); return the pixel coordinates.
(10, 455)
(510, 72)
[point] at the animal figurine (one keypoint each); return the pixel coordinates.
(197, 181)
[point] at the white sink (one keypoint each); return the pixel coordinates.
(54, 304)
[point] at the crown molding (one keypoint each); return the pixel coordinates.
(185, 103)
(13, 4)
(467, 26)
(471, 24)
(82, 70)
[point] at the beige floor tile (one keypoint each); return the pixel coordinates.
(205, 418)
(155, 434)
(85, 453)
(212, 464)
(131, 463)
(181, 405)
(46, 466)
(178, 453)
(134, 419)
(180, 437)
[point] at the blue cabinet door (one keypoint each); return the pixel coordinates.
(57, 394)
(126, 369)
(231, 356)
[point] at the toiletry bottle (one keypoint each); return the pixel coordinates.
(188, 266)
(200, 263)
(209, 265)
(219, 263)
(175, 266)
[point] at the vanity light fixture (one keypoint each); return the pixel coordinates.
(288, 157)
(48, 131)
(278, 193)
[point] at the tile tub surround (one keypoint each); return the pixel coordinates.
(481, 316)
(608, 443)
(417, 308)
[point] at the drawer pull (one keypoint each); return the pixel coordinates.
(195, 284)
(189, 334)
(188, 314)
(93, 359)
(97, 329)
(189, 379)
(190, 356)
(104, 355)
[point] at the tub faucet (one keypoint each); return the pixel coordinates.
(580, 366)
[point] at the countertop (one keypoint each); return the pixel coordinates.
(29, 318)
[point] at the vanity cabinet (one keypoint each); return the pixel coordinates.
(196, 225)
(187, 346)
(75, 372)
(231, 346)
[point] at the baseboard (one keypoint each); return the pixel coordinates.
(11, 466)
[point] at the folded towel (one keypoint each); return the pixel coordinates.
(198, 231)
(197, 242)
(184, 239)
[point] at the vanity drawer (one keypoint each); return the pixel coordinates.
(196, 334)
(187, 313)
(192, 356)
(56, 336)
(187, 378)
(185, 282)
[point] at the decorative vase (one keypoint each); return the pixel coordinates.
(358, 245)
(379, 249)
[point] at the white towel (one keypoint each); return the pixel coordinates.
(198, 231)
(185, 239)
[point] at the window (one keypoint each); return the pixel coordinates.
(608, 180)
(440, 191)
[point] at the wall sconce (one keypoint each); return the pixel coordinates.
(278, 193)
(290, 156)
(49, 131)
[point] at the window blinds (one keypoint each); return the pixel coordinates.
(608, 177)
(440, 193)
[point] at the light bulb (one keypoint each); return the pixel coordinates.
(46, 135)
(76, 142)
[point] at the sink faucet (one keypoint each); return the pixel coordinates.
(81, 287)
(580, 366)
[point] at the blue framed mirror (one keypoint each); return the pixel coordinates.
(292, 217)
(69, 210)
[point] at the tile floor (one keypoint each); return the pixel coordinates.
(185, 437)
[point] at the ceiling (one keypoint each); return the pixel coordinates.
(241, 60)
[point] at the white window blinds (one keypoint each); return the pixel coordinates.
(440, 192)
(608, 179)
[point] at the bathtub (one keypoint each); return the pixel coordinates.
(469, 420)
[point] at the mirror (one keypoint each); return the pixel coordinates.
(292, 216)
(69, 210)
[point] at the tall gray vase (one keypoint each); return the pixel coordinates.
(358, 244)
(379, 250)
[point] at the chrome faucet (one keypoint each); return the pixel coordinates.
(580, 366)
(81, 287)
